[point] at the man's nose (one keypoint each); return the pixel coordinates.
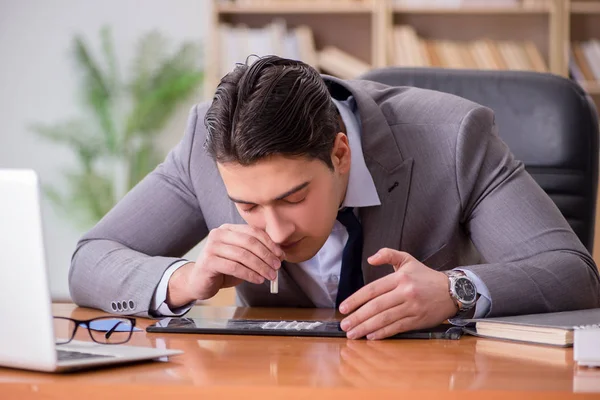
(279, 229)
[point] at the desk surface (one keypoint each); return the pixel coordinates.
(258, 367)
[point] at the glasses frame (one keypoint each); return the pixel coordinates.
(107, 334)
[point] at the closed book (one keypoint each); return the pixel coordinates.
(306, 45)
(535, 57)
(583, 62)
(341, 64)
(494, 52)
(549, 328)
(591, 49)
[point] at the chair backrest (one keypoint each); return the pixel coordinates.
(547, 121)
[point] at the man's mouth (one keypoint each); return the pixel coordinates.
(290, 244)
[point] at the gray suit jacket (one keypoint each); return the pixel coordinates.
(451, 192)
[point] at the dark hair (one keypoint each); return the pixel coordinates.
(274, 106)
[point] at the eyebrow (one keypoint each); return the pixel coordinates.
(280, 197)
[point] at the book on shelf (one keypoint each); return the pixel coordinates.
(410, 50)
(238, 43)
(535, 57)
(580, 60)
(337, 62)
(584, 61)
(432, 55)
(483, 55)
(306, 45)
(549, 328)
(574, 71)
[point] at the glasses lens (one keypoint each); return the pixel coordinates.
(63, 330)
(110, 330)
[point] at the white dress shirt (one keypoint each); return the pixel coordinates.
(319, 276)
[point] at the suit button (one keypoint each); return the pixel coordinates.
(124, 305)
(113, 305)
(119, 306)
(131, 305)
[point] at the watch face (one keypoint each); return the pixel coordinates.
(465, 290)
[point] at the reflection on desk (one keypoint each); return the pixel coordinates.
(294, 367)
(586, 380)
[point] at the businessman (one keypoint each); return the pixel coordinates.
(400, 206)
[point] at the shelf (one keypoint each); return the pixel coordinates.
(296, 7)
(472, 10)
(585, 7)
(591, 87)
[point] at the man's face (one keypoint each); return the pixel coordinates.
(294, 200)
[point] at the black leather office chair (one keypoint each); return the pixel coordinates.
(547, 121)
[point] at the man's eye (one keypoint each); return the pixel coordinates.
(249, 210)
(294, 201)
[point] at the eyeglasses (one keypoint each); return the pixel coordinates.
(104, 330)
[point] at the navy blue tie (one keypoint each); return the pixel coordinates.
(351, 278)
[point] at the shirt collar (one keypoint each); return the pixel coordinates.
(361, 191)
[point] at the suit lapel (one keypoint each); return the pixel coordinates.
(383, 225)
(391, 172)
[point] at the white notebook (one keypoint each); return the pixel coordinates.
(586, 347)
(550, 328)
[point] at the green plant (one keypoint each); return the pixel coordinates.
(114, 139)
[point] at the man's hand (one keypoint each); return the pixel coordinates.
(233, 253)
(413, 297)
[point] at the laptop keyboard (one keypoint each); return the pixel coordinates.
(64, 355)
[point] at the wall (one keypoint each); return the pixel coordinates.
(37, 85)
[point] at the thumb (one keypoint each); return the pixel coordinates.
(390, 256)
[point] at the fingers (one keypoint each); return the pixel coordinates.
(246, 246)
(235, 269)
(401, 325)
(367, 293)
(390, 256)
(247, 259)
(360, 322)
(385, 324)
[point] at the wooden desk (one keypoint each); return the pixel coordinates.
(257, 367)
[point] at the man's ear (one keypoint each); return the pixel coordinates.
(340, 155)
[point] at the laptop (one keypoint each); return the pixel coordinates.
(27, 339)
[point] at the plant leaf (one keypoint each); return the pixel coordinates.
(174, 82)
(91, 192)
(150, 55)
(97, 94)
(111, 60)
(76, 134)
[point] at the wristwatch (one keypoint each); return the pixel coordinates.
(463, 291)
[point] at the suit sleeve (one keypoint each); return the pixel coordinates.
(534, 262)
(122, 259)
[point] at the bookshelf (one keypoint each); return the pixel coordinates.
(585, 7)
(584, 25)
(358, 27)
(363, 29)
(471, 10)
(295, 7)
(592, 88)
